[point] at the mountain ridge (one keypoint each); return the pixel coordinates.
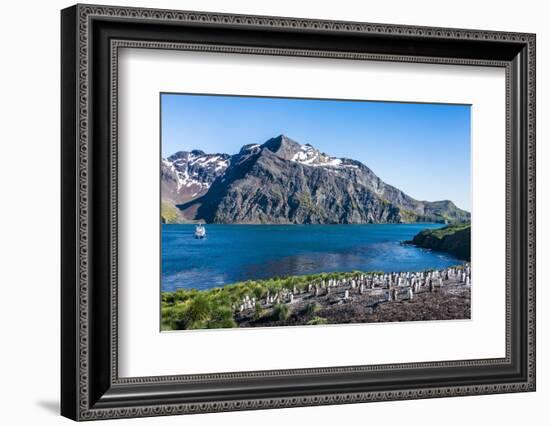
(284, 182)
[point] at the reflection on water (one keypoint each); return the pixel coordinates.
(232, 253)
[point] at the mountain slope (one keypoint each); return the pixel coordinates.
(187, 175)
(282, 182)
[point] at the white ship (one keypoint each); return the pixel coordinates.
(200, 231)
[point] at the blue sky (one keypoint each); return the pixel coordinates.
(422, 149)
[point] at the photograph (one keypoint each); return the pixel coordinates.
(288, 211)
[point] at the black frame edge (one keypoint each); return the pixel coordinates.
(69, 189)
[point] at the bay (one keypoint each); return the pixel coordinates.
(232, 253)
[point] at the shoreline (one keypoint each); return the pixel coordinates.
(453, 239)
(326, 298)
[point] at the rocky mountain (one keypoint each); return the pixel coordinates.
(282, 181)
(188, 175)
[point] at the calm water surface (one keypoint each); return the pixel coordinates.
(232, 253)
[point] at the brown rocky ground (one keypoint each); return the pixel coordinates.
(448, 302)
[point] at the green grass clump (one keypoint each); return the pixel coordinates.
(311, 309)
(281, 312)
(222, 317)
(181, 311)
(259, 312)
(448, 230)
(317, 321)
(169, 213)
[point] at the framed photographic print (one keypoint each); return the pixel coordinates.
(263, 212)
(280, 233)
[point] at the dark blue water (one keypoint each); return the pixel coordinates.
(232, 253)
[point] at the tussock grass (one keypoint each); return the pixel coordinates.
(317, 321)
(216, 308)
(281, 312)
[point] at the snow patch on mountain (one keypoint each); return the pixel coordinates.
(196, 169)
(310, 156)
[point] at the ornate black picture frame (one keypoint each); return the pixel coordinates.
(91, 36)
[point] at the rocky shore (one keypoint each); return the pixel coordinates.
(454, 239)
(337, 298)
